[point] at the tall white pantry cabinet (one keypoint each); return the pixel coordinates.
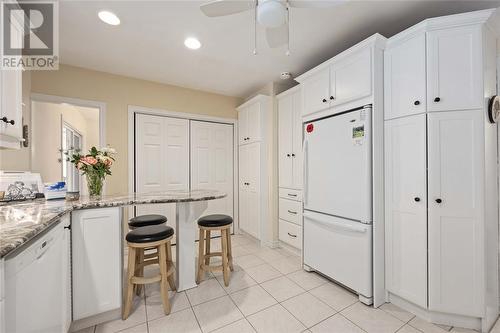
(290, 167)
(441, 195)
(253, 149)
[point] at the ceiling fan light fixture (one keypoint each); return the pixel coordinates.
(271, 13)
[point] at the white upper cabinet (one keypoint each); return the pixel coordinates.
(454, 69)
(316, 92)
(351, 77)
(345, 78)
(406, 208)
(456, 212)
(404, 72)
(290, 140)
(11, 95)
(250, 119)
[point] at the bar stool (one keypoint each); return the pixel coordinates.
(139, 222)
(145, 220)
(206, 225)
(148, 237)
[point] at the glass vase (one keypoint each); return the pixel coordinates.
(94, 185)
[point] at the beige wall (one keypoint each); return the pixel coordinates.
(47, 133)
(118, 92)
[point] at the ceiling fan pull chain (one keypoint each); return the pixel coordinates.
(288, 30)
(255, 29)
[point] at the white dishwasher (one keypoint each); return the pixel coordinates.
(35, 281)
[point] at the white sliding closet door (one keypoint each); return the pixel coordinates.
(212, 163)
(161, 160)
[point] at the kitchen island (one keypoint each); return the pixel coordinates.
(96, 249)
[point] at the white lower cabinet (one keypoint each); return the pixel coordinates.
(406, 207)
(456, 212)
(97, 261)
(290, 233)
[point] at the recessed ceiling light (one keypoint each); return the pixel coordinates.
(108, 17)
(192, 43)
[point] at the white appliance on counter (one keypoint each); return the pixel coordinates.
(37, 284)
(338, 199)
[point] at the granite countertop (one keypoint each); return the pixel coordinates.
(21, 222)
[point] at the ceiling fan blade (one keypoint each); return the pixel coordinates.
(226, 7)
(277, 36)
(315, 3)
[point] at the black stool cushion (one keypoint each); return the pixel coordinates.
(150, 233)
(215, 220)
(144, 220)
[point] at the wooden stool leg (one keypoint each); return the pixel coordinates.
(229, 249)
(140, 271)
(200, 256)
(130, 286)
(225, 268)
(207, 247)
(170, 264)
(164, 283)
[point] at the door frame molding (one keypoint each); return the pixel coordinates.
(133, 109)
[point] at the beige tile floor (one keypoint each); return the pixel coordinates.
(268, 292)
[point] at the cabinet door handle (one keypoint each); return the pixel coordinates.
(291, 235)
(7, 121)
(437, 99)
(438, 200)
(416, 102)
(292, 212)
(417, 199)
(324, 100)
(293, 155)
(332, 98)
(287, 155)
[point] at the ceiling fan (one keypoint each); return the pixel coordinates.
(274, 15)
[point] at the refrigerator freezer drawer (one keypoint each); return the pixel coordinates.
(290, 233)
(341, 249)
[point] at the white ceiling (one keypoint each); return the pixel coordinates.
(149, 42)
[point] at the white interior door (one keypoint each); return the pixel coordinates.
(456, 212)
(212, 163)
(406, 208)
(162, 160)
(404, 70)
(285, 135)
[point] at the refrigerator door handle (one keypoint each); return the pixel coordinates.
(335, 225)
(304, 169)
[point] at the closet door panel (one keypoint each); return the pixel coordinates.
(456, 205)
(212, 163)
(406, 214)
(162, 160)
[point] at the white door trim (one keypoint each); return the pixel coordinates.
(133, 109)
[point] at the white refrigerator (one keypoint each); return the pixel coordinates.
(338, 199)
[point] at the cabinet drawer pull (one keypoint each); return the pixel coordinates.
(292, 195)
(291, 235)
(292, 212)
